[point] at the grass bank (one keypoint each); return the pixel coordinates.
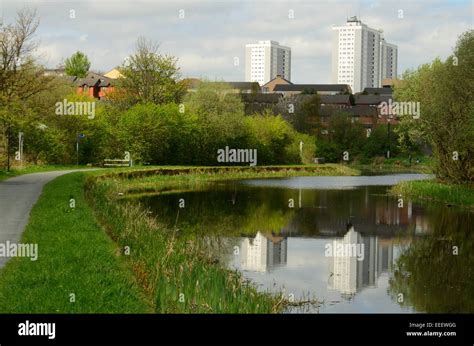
(395, 165)
(166, 178)
(75, 257)
(433, 191)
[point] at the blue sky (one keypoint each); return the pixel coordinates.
(213, 32)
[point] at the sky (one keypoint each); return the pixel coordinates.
(207, 35)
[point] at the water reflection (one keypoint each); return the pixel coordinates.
(263, 253)
(279, 238)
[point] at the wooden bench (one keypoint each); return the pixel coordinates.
(117, 163)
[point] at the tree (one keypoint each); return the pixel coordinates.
(20, 76)
(77, 65)
(301, 111)
(444, 90)
(220, 114)
(343, 135)
(276, 140)
(149, 76)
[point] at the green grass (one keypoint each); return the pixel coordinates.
(395, 165)
(433, 191)
(74, 256)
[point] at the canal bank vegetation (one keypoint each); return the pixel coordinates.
(175, 272)
(158, 179)
(178, 273)
(444, 90)
(434, 191)
(381, 165)
(446, 121)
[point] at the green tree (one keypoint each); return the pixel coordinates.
(77, 65)
(301, 111)
(345, 135)
(444, 90)
(220, 114)
(276, 141)
(150, 77)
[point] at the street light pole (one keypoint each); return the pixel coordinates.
(79, 136)
(388, 137)
(20, 146)
(9, 132)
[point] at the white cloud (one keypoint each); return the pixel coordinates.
(213, 32)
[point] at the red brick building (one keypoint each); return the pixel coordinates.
(94, 85)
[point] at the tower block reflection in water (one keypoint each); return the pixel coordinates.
(348, 274)
(263, 252)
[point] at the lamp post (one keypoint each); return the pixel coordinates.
(388, 137)
(9, 133)
(20, 146)
(79, 136)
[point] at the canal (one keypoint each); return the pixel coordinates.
(340, 240)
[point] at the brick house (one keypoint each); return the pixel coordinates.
(94, 85)
(269, 87)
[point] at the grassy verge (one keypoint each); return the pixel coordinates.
(430, 190)
(74, 256)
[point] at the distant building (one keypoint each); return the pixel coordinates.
(265, 60)
(94, 85)
(361, 57)
(388, 60)
(384, 91)
(321, 89)
(270, 86)
(113, 74)
(234, 87)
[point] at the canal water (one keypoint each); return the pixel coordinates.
(339, 240)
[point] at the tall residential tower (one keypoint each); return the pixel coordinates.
(265, 60)
(361, 57)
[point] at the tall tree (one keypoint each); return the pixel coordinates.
(20, 76)
(77, 65)
(444, 90)
(150, 77)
